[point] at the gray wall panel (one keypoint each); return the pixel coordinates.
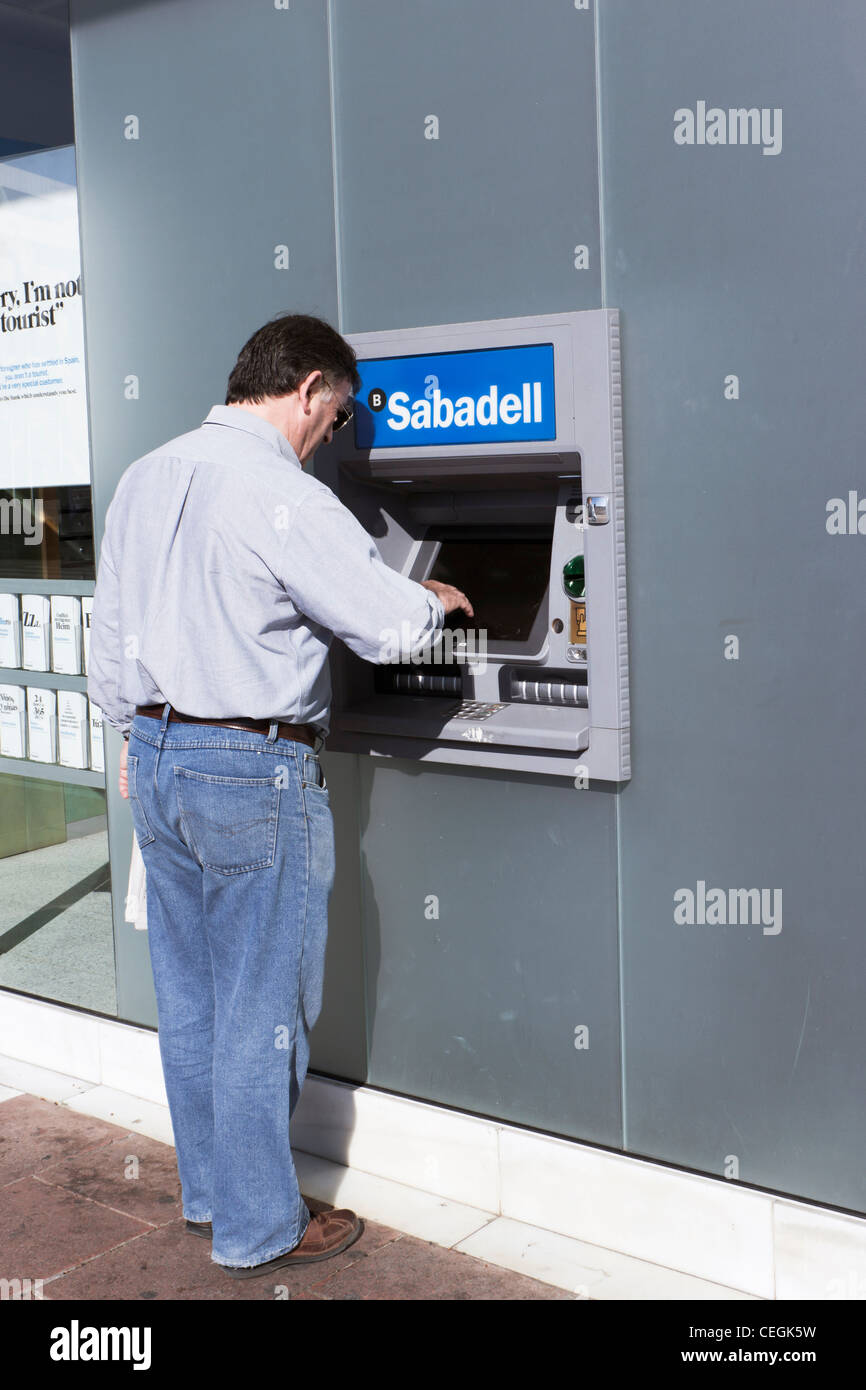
(477, 1006)
(179, 226)
(478, 1009)
(748, 773)
(483, 221)
(339, 1041)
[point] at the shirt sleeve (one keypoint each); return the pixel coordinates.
(103, 663)
(335, 575)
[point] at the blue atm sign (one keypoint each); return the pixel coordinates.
(486, 396)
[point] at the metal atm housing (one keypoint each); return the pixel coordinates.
(530, 528)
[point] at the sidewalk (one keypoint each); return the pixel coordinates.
(93, 1211)
(90, 1205)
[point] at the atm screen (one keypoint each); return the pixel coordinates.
(504, 574)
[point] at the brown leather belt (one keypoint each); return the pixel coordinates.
(303, 733)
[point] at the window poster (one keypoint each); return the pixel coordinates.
(43, 409)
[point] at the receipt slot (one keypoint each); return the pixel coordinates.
(489, 456)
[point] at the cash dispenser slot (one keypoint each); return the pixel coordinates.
(414, 680)
(556, 687)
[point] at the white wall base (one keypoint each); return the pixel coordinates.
(765, 1245)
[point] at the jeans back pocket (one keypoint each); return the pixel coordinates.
(230, 823)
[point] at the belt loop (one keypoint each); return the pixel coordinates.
(273, 731)
(319, 742)
(159, 742)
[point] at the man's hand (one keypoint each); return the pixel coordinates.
(451, 598)
(123, 780)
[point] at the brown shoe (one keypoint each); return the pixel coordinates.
(201, 1228)
(328, 1233)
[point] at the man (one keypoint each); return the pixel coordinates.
(224, 572)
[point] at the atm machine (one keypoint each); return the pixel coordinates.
(489, 456)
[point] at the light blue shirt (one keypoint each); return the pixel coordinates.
(224, 571)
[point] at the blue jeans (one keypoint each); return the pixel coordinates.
(236, 833)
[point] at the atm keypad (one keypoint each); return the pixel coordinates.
(475, 710)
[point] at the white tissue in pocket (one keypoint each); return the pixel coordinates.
(136, 893)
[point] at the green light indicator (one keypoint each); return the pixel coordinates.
(573, 578)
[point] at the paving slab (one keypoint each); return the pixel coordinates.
(45, 1230)
(35, 1133)
(409, 1269)
(129, 1173)
(93, 1210)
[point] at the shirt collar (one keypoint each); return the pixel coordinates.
(235, 417)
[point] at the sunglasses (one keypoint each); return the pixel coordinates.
(344, 414)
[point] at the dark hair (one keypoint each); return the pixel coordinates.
(278, 357)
